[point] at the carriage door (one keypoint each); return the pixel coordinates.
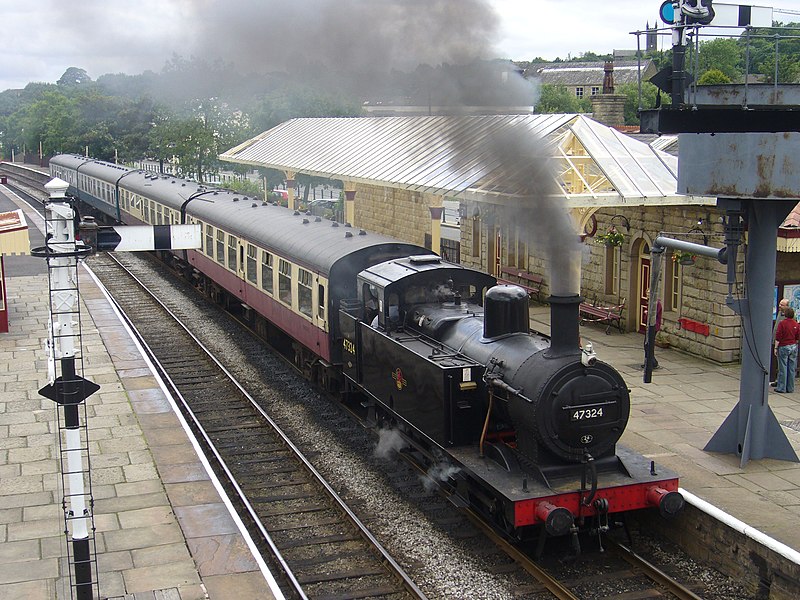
(644, 286)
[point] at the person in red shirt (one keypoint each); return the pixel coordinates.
(787, 335)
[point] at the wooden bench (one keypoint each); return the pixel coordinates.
(527, 281)
(610, 315)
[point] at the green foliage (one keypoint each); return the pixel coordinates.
(298, 101)
(713, 77)
(73, 77)
(560, 99)
(762, 53)
(631, 93)
(611, 238)
(724, 55)
(246, 187)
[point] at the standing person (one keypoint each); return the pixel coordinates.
(782, 306)
(659, 311)
(787, 336)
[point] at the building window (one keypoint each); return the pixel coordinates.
(233, 246)
(595, 90)
(266, 272)
(451, 250)
(476, 238)
(511, 250)
(220, 246)
(285, 281)
(304, 282)
(613, 259)
(579, 92)
(522, 255)
(252, 271)
(672, 283)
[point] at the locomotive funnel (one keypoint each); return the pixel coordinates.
(564, 322)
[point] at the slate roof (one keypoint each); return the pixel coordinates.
(588, 74)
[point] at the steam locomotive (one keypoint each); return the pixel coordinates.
(527, 424)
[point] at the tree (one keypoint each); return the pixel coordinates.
(560, 99)
(723, 54)
(631, 91)
(713, 77)
(74, 76)
(762, 52)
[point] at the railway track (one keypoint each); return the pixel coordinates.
(24, 178)
(610, 572)
(263, 478)
(296, 517)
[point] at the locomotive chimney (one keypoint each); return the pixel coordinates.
(564, 322)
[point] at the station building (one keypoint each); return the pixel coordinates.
(399, 174)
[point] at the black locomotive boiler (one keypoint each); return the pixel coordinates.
(528, 423)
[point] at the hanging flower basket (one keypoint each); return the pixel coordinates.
(684, 258)
(611, 238)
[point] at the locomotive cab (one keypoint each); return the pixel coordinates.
(424, 385)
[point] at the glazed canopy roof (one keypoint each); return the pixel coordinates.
(457, 156)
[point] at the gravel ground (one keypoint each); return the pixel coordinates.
(345, 453)
(377, 484)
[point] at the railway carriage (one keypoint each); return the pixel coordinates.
(526, 424)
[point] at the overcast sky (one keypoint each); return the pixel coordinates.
(42, 39)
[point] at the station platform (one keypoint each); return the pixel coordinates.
(162, 529)
(164, 532)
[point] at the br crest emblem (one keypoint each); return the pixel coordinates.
(399, 380)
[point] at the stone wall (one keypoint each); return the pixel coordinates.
(390, 211)
(761, 570)
(703, 288)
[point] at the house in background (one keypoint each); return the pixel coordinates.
(585, 79)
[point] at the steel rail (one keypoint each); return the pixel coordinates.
(651, 571)
(407, 582)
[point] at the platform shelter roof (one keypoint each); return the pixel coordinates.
(459, 156)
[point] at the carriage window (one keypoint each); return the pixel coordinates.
(304, 295)
(285, 281)
(233, 245)
(266, 272)
(210, 241)
(321, 301)
(252, 271)
(159, 215)
(220, 246)
(152, 213)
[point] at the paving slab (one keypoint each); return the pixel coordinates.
(134, 437)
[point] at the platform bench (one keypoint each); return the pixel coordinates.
(610, 315)
(527, 281)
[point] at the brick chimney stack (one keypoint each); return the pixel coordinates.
(608, 108)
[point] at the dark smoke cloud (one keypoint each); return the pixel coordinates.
(538, 216)
(343, 35)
